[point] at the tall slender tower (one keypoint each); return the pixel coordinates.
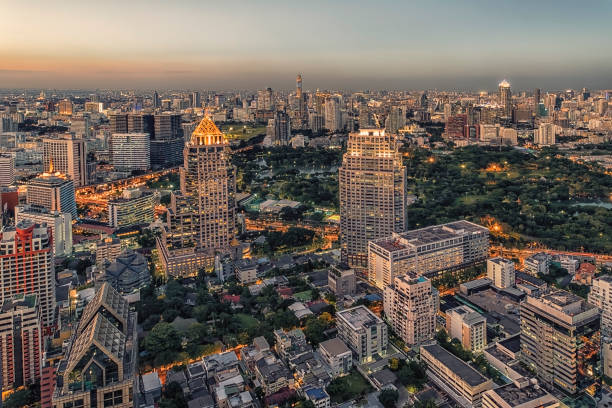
(372, 193)
(202, 214)
(505, 98)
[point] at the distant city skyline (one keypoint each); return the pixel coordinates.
(357, 45)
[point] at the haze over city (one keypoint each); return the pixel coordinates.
(466, 45)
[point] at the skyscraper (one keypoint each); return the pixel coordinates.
(167, 145)
(410, 306)
(118, 122)
(7, 170)
(21, 341)
(156, 100)
(544, 135)
(202, 214)
(68, 156)
(372, 193)
(333, 117)
(65, 107)
(59, 222)
(279, 129)
(196, 101)
(130, 151)
(26, 266)
(505, 98)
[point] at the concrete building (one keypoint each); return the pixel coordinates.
(202, 216)
(134, 207)
(68, 156)
(107, 249)
(538, 263)
(515, 395)
(372, 193)
(501, 272)
(7, 170)
(245, 271)
(553, 324)
(59, 222)
(108, 330)
(363, 331)
(505, 98)
(545, 135)
(337, 356)
(130, 151)
(319, 397)
(341, 280)
(128, 273)
(26, 267)
(606, 356)
(410, 308)
(21, 341)
(53, 191)
(278, 132)
(427, 251)
(468, 326)
(601, 296)
(333, 116)
(460, 381)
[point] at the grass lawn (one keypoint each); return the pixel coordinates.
(305, 296)
(246, 321)
(348, 387)
(183, 325)
(242, 131)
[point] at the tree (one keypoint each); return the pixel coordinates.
(388, 398)
(163, 337)
(18, 399)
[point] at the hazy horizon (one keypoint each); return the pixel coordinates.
(354, 45)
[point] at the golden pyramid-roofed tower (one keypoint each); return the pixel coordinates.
(207, 133)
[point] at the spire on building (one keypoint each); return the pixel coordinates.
(207, 133)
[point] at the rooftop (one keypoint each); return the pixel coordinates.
(428, 235)
(518, 396)
(18, 302)
(359, 317)
(456, 365)
(335, 346)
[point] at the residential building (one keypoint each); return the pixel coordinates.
(454, 376)
(372, 192)
(59, 222)
(553, 324)
(21, 341)
(516, 395)
(130, 151)
(501, 272)
(545, 135)
(427, 251)
(341, 280)
(7, 170)
(108, 330)
(54, 191)
(337, 356)
(202, 215)
(134, 207)
(363, 331)
(245, 271)
(468, 326)
(107, 250)
(319, 397)
(278, 131)
(68, 156)
(606, 356)
(601, 296)
(538, 264)
(273, 375)
(27, 267)
(128, 273)
(333, 116)
(410, 307)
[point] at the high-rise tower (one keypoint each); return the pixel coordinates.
(202, 214)
(372, 193)
(505, 98)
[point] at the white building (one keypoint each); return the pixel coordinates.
(467, 326)
(7, 170)
(410, 307)
(68, 156)
(363, 331)
(538, 263)
(601, 296)
(545, 135)
(337, 356)
(501, 272)
(59, 222)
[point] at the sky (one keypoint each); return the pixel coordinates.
(334, 44)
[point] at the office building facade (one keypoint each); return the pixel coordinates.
(7, 170)
(467, 326)
(134, 207)
(427, 251)
(130, 151)
(67, 155)
(55, 192)
(372, 190)
(501, 272)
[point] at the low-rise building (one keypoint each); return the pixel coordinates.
(468, 326)
(337, 356)
(363, 331)
(245, 271)
(515, 395)
(341, 280)
(129, 272)
(319, 397)
(460, 381)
